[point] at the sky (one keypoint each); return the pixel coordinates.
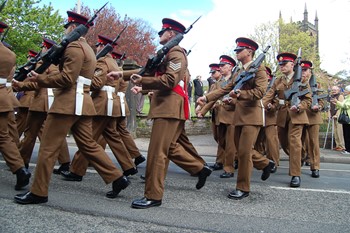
(222, 21)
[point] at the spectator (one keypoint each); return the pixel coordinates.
(189, 89)
(345, 106)
(198, 89)
(333, 114)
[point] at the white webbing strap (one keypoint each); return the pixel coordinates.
(50, 97)
(109, 91)
(3, 80)
(122, 102)
(79, 97)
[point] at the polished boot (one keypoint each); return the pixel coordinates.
(202, 177)
(267, 170)
(29, 198)
(274, 169)
(238, 194)
(23, 176)
(143, 177)
(295, 182)
(63, 167)
(307, 164)
(70, 176)
(130, 172)
(139, 159)
(236, 164)
(117, 186)
(227, 175)
(217, 166)
(315, 173)
(145, 203)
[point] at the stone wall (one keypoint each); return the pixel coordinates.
(195, 126)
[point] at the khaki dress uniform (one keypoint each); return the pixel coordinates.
(225, 125)
(25, 100)
(122, 129)
(104, 123)
(290, 124)
(77, 66)
(36, 119)
(270, 129)
(12, 124)
(248, 121)
(8, 147)
(313, 128)
(167, 112)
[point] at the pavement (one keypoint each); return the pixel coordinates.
(206, 147)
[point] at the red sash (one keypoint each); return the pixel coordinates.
(178, 89)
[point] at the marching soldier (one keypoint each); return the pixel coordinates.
(248, 118)
(108, 108)
(313, 128)
(72, 109)
(270, 130)
(42, 100)
(8, 147)
(224, 112)
(290, 119)
(217, 76)
(169, 109)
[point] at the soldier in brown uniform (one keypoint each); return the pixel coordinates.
(270, 129)
(217, 76)
(224, 112)
(313, 128)
(108, 108)
(37, 114)
(290, 119)
(169, 109)
(72, 109)
(8, 147)
(12, 124)
(248, 118)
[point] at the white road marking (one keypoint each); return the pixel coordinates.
(312, 190)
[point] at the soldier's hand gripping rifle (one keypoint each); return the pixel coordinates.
(315, 96)
(294, 92)
(249, 74)
(154, 61)
(53, 55)
(109, 47)
(22, 71)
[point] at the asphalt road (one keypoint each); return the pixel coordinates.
(320, 205)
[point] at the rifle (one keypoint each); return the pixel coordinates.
(294, 92)
(4, 35)
(122, 57)
(247, 75)
(3, 5)
(54, 54)
(22, 71)
(153, 62)
(190, 50)
(315, 91)
(109, 47)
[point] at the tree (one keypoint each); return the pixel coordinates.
(267, 34)
(137, 41)
(28, 23)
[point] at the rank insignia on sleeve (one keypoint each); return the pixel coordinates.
(175, 66)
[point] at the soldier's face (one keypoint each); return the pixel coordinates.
(286, 68)
(165, 36)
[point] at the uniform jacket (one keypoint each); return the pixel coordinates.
(283, 110)
(7, 63)
(40, 100)
(223, 113)
(105, 65)
(165, 102)
(249, 109)
(270, 114)
(78, 60)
